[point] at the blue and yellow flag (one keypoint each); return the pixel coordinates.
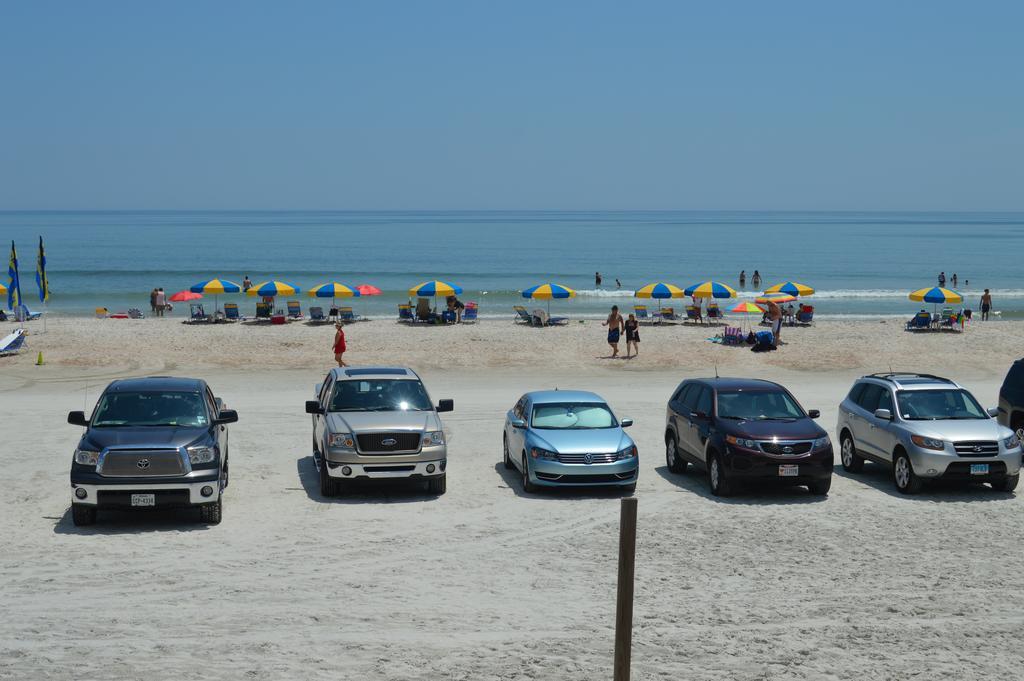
(14, 290)
(41, 280)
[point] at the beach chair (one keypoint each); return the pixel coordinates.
(522, 315)
(405, 313)
(423, 311)
(732, 336)
(294, 310)
(714, 312)
(197, 314)
(263, 312)
(469, 314)
(231, 312)
(346, 315)
(23, 314)
(668, 314)
(448, 316)
(542, 318)
(102, 313)
(136, 313)
(12, 343)
(922, 320)
(805, 315)
(641, 315)
(693, 315)
(316, 315)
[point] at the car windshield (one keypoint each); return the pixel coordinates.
(185, 409)
(384, 394)
(569, 416)
(933, 405)
(758, 405)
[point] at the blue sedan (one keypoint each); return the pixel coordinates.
(563, 438)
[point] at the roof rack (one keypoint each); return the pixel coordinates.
(894, 376)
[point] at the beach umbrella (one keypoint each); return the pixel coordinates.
(435, 288)
(3, 290)
(334, 290)
(367, 290)
(747, 308)
(216, 287)
(659, 290)
(936, 295)
(184, 297)
(710, 289)
(272, 289)
(548, 292)
(792, 288)
(777, 298)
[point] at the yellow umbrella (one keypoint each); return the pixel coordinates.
(776, 298)
(660, 289)
(792, 288)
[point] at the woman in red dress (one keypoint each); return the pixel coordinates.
(339, 344)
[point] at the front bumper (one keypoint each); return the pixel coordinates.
(743, 464)
(934, 464)
(547, 473)
(387, 469)
(167, 494)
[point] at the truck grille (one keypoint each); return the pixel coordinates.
(779, 448)
(582, 458)
(977, 448)
(388, 443)
(139, 463)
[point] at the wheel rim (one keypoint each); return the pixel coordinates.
(670, 454)
(714, 474)
(902, 472)
(1020, 433)
(847, 451)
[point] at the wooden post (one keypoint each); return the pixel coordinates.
(624, 601)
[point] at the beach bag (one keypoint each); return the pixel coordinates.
(763, 342)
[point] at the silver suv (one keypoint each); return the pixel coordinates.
(925, 428)
(377, 422)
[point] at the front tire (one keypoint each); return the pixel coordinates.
(717, 481)
(903, 474)
(329, 487)
(211, 513)
(672, 460)
(1007, 484)
(820, 488)
(82, 515)
(848, 454)
(528, 485)
(507, 457)
(438, 485)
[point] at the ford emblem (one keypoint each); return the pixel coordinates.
(142, 463)
(587, 458)
(389, 442)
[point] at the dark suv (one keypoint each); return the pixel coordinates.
(744, 429)
(1011, 399)
(155, 442)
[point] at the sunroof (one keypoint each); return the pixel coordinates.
(375, 372)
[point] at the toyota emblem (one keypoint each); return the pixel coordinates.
(587, 458)
(389, 442)
(142, 463)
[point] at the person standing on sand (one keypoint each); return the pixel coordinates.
(339, 344)
(160, 302)
(597, 280)
(775, 317)
(632, 327)
(614, 324)
(986, 305)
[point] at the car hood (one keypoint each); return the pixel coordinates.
(164, 437)
(957, 430)
(379, 421)
(596, 441)
(800, 429)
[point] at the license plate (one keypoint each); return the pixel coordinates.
(143, 500)
(789, 471)
(979, 469)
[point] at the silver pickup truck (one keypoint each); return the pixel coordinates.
(377, 422)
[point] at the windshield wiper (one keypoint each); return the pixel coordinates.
(734, 418)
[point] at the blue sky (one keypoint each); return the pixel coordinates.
(512, 105)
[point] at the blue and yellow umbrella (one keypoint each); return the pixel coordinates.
(548, 292)
(792, 288)
(936, 295)
(432, 289)
(272, 289)
(333, 289)
(215, 287)
(660, 290)
(710, 289)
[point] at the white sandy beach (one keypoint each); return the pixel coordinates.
(485, 583)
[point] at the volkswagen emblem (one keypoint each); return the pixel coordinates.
(588, 458)
(389, 442)
(142, 463)
(787, 450)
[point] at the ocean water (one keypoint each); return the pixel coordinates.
(861, 264)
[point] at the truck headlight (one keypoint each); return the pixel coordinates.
(928, 442)
(435, 437)
(627, 453)
(1012, 442)
(86, 457)
(201, 454)
(821, 443)
(539, 453)
(341, 441)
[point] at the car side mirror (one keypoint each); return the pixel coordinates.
(883, 414)
(518, 423)
(626, 423)
(446, 405)
(226, 416)
(813, 413)
(313, 407)
(77, 418)
(993, 411)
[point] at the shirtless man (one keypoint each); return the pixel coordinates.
(986, 305)
(615, 325)
(775, 317)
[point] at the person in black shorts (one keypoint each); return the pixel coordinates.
(614, 324)
(632, 327)
(986, 305)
